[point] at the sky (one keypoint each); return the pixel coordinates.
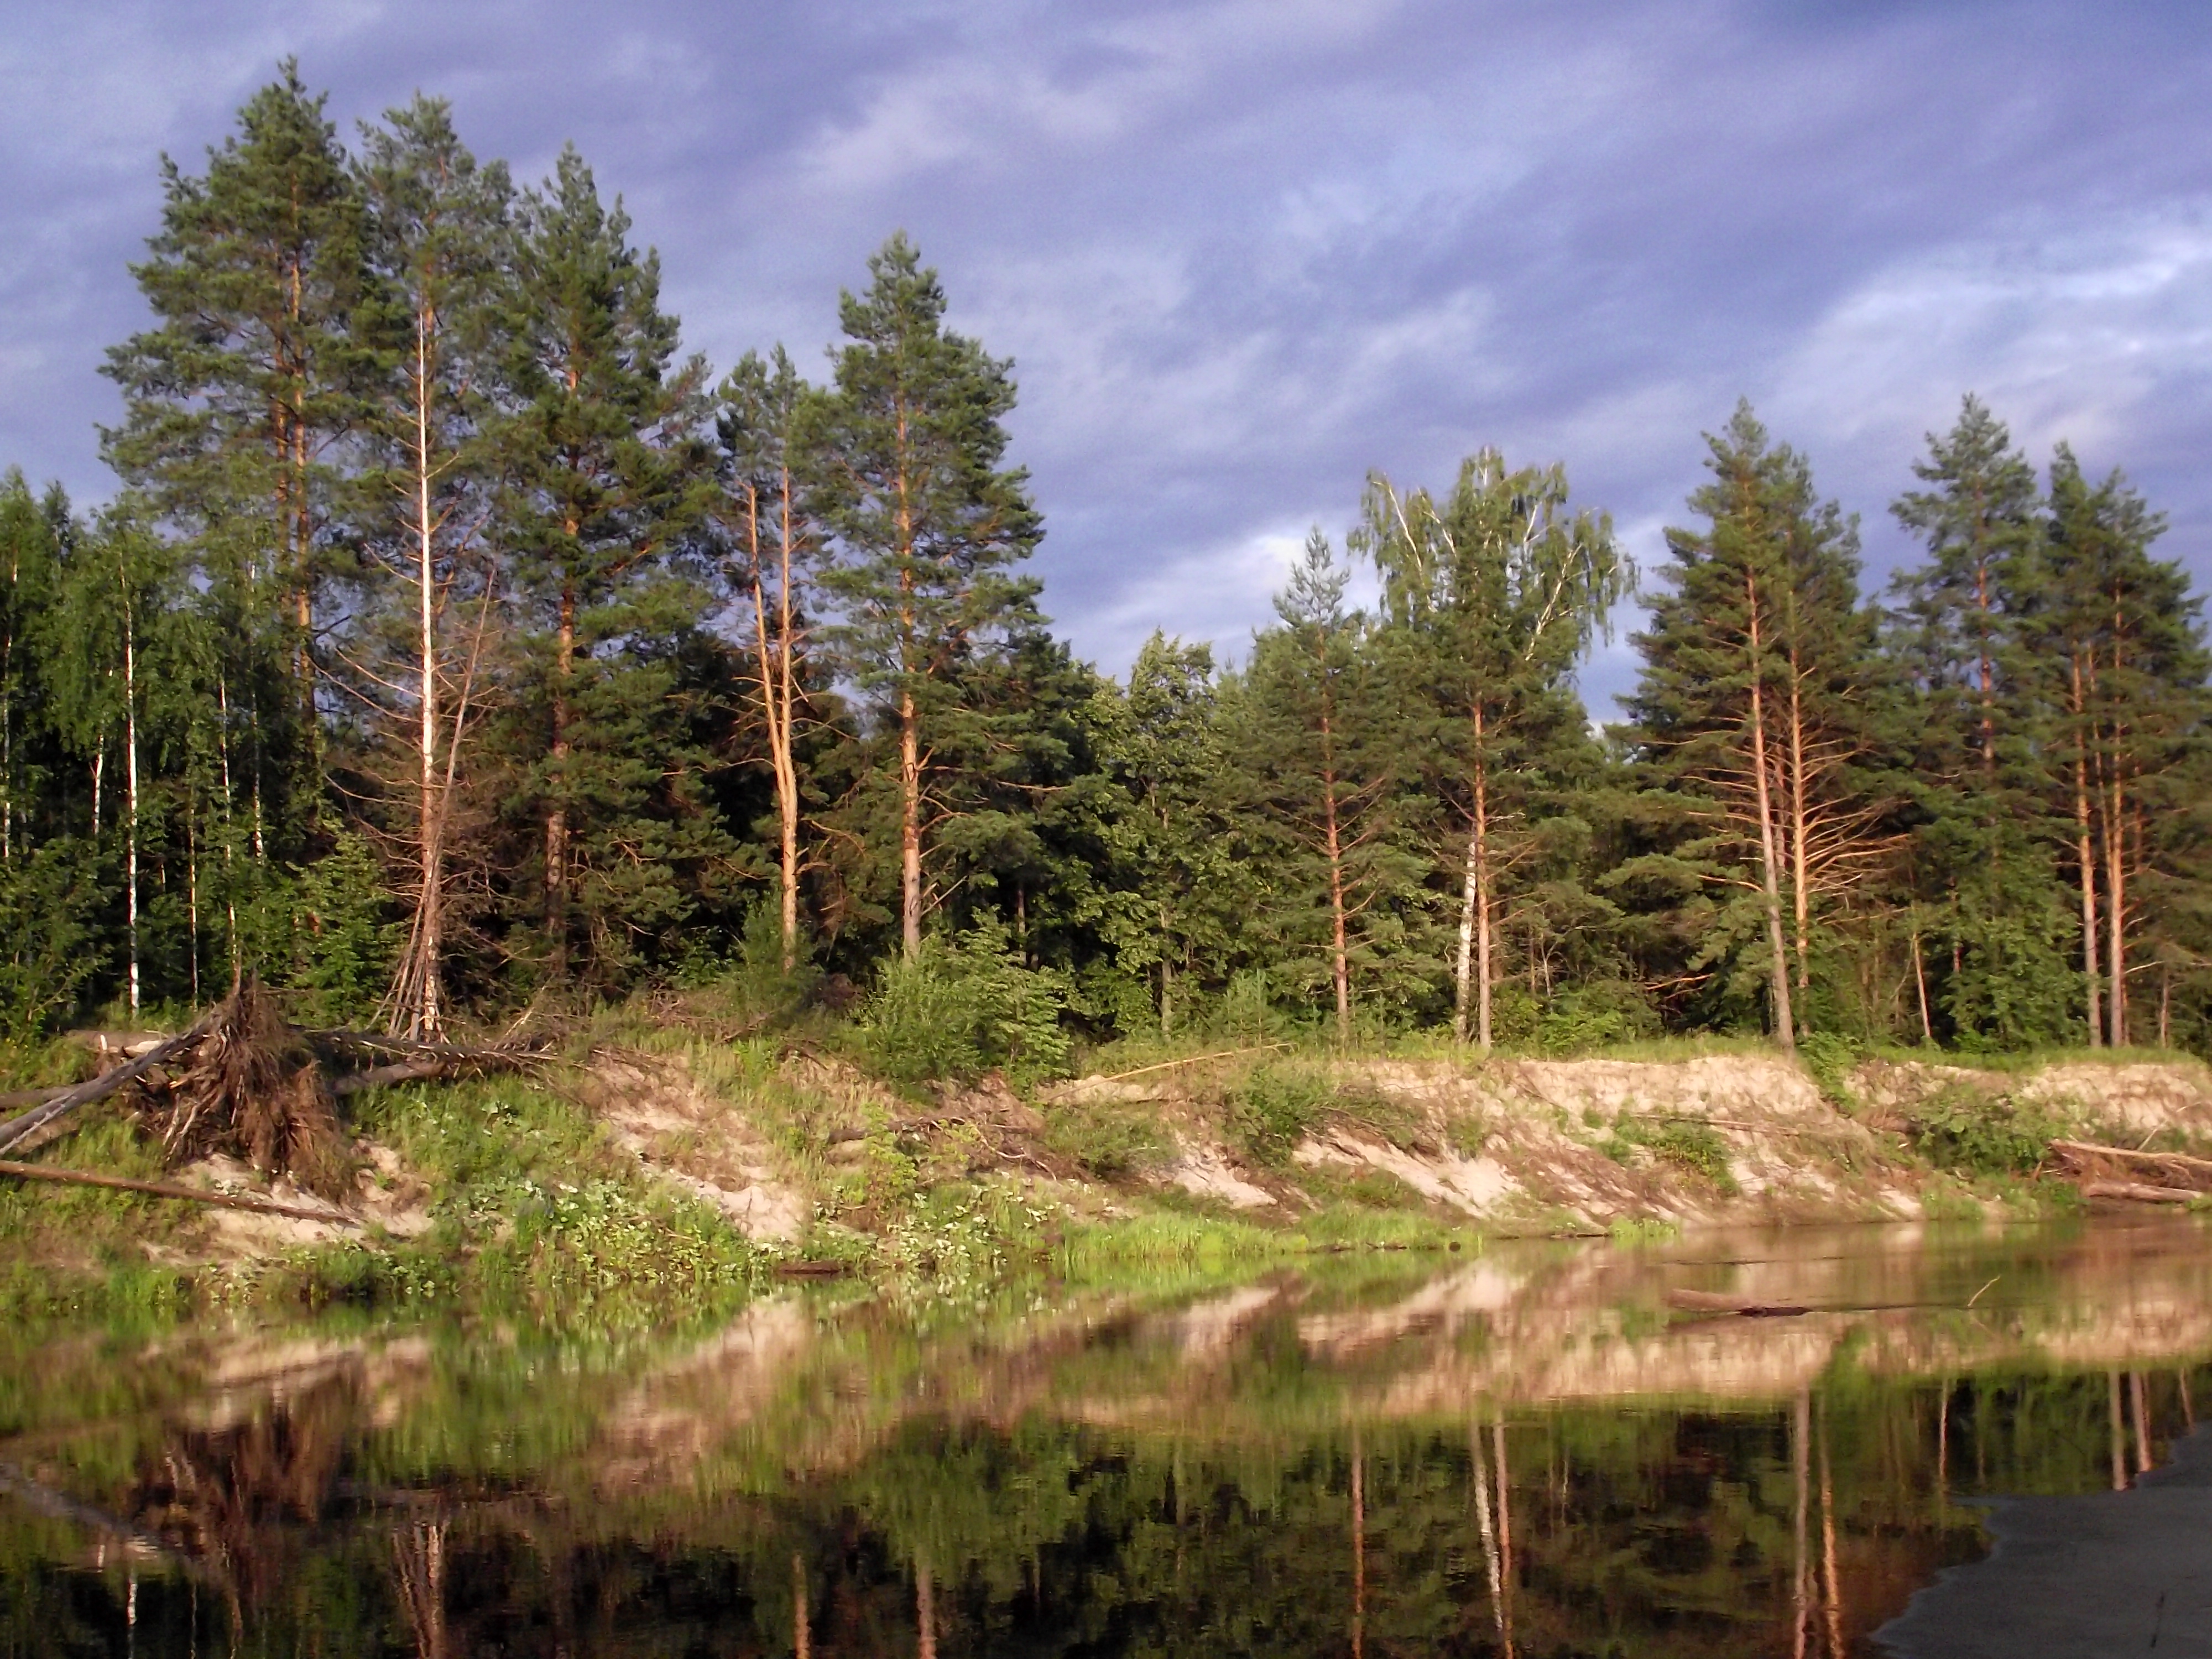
(1244, 252)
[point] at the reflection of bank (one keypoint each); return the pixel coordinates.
(2125, 1571)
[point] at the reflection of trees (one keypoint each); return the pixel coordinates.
(1247, 1475)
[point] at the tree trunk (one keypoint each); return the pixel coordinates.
(2115, 909)
(1785, 1028)
(131, 783)
(1483, 975)
(427, 1015)
(1463, 967)
(909, 826)
(787, 777)
(779, 704)
(556, 816)
(1801, 874)
(1333, 846)
(1920, 985)
(2084, 858)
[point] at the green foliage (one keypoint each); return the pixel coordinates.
(1974, 1133)
(50, 938)
(959, 1009)
(343, 936)
(1273, 1108)
(1830, 1058)
(1598, 1015)
(1106, 1142)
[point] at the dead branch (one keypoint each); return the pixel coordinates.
(1707, 1302)
(1062, 1090)
(2139, 1193)
(16, 1129)
(165, 1189)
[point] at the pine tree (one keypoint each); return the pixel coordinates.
(1498, 594)
(1323, 758)
(2121, 632)
(1982, 872)
(236, 401)
(775, 544)
(439, 258)
(605, 477)
(1753, 705)
(928, 524)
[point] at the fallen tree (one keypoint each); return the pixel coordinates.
(246, 1082)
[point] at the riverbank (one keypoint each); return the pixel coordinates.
(650, 1171)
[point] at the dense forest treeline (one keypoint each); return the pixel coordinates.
(455, 640)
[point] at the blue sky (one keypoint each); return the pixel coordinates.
(1243, 252)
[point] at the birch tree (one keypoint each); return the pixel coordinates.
(1500, 589)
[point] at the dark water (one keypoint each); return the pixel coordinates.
(1524, 1452)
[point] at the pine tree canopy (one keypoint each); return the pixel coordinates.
(455, 641)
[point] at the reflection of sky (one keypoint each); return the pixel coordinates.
(1244, 250)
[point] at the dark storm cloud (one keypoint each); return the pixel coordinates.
(1244, 252)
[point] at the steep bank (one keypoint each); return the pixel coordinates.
(678, 1167)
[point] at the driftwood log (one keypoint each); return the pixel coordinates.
(1708, 1301)
(2124, 1172)
(2140, 1192)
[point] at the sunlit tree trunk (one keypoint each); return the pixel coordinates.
(129, 775)
(1785, 1029)
(2085, 860)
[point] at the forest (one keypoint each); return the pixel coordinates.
(455, 645)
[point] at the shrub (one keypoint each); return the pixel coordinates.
(1829, 1057)
(1970, 1133)
(958, 1009)
(1105, 1143)
(1272, 1109)
(1694, 1147)
(1595, 1016)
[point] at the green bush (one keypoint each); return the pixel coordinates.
(959, 1009)
(1694, 1147)
(1972, 1133)
(1595, 1016)
(1273, 1109)
(1830, 1058)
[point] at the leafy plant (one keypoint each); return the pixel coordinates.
(1829, 1057)
(1273, 1107)
(1972, 1133)
(958, 1009)
(1103, 1142)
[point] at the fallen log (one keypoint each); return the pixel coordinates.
(18, 1129)
(2176, 1166)
(1710, 1302)
(2141, 1191)
(165, 1189)
(14, 1099)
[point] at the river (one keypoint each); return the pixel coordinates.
(1532, 1450)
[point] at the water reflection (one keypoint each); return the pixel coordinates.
(1529, 1452)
